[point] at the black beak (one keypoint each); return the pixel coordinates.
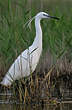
(53, 17)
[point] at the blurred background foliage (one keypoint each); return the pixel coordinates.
(14, 37)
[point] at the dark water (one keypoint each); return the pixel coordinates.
(67, 106)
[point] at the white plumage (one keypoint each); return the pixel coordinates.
(28, 60)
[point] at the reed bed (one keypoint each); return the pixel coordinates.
(56, 59)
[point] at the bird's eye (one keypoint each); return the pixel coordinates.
(44, 15)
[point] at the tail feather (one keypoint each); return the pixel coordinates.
(6, 82)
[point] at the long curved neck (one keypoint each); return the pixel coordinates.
(38, 38)
(38, 28)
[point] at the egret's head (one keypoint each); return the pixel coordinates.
(45, 15)
(40, 16)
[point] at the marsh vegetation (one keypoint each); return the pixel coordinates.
(55, 65)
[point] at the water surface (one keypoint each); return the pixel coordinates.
(67, 106)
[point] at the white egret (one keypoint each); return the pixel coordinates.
(28, 60)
